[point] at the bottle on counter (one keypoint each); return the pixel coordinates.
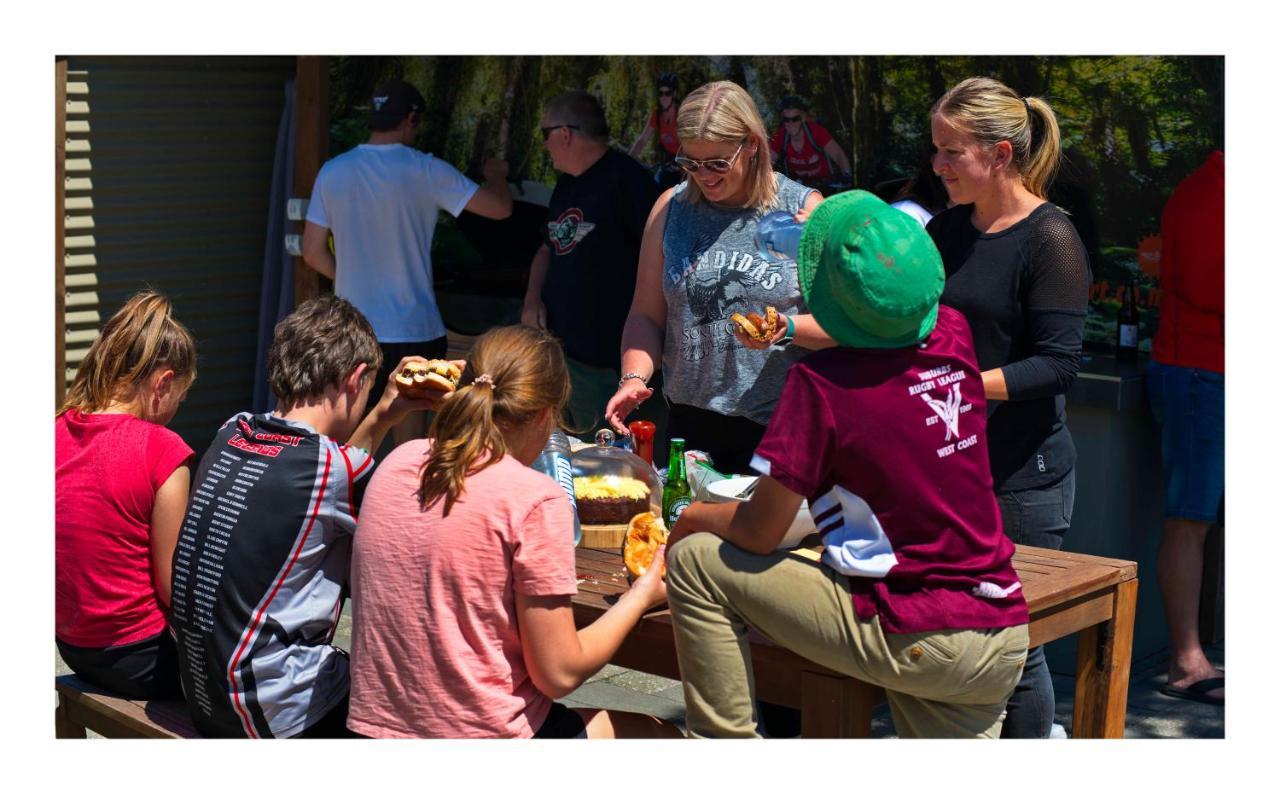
(554, 462)
(1127, 325)
(675, 494)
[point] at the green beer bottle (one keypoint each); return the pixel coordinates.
(675, 494)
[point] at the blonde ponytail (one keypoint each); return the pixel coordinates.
(1045, 151)
(991, 112)
(513, 373)
(139, 339)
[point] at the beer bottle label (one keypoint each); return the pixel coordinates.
(677, 507)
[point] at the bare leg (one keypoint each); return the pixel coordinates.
(602, 724)
(1179, 566)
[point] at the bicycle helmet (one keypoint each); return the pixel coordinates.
(792, 102)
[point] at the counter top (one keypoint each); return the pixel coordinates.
(1108, 384)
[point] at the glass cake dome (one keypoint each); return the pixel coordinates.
(612, 485)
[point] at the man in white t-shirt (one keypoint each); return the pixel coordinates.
(381, 200)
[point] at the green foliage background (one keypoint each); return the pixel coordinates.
(1132, 126)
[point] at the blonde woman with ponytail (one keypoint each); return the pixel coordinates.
(121, 482)
(463, 570)
(1018, 272)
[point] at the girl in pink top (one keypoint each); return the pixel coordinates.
(463, 569)
(121, 492)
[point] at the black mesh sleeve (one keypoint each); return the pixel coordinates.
(1056, 299)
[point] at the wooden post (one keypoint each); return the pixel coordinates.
(1102, 670)
(835, 707)
(59, 234)
(311, 149)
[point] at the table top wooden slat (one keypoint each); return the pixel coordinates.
(1049, 578)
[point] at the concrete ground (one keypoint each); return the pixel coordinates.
(1150, 714)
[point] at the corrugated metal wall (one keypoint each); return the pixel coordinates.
(168, 173)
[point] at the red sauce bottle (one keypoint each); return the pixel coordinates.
(642, 434)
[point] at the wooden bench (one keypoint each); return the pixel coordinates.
(82, 706)
(1066, 594)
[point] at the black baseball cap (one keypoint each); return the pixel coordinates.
(392, 102)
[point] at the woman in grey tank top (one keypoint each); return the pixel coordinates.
(699, 265)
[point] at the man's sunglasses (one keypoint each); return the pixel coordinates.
(546, 131)
(716, 165)
(665, 92)
(791, 119)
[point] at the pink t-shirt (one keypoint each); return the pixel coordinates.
(435, 641)
(108, 469)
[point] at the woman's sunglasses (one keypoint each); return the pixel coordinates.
(791, 119)
(716, 165)
(665, 92)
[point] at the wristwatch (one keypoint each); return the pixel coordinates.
(789, 335)
(623, 380)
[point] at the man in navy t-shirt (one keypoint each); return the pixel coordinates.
(583, 275)
(885, 436)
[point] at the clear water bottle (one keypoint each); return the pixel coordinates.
(554, 462)
(778, 237)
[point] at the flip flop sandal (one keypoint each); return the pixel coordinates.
(1199, 691)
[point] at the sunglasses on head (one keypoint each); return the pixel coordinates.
(716, 165)
(546, 131)
(791, 119)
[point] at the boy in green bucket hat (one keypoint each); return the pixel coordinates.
(885, 435)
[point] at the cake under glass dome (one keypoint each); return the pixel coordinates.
(612, 485)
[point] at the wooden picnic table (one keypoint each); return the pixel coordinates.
(1067, 593)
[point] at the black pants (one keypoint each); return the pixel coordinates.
(729, 440)
(332, 725)
(1035, 517)
(145, 670)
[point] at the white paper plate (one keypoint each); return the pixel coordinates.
(801, 527)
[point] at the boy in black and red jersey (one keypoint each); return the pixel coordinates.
(260, 571)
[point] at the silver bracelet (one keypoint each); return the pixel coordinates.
(623, 380)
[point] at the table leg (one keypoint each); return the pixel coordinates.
(1102, 670)
(63, 727)
(835, 707)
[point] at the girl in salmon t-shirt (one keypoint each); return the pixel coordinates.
(463, 569)
(121, 492)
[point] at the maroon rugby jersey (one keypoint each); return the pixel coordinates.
(889, 447)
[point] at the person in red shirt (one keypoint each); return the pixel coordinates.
(1186, 385)
(662, 121)
(121, 482)
(885, 435)
(804, 148)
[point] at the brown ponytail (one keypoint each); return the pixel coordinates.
(526, 372)
(991, 112)
(139, 339)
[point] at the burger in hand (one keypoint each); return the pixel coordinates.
(422, 378)
(757, 328)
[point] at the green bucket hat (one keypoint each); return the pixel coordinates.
(869, 273)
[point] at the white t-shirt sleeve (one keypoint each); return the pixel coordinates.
(922, 215)
(315, 209)
(450, 188)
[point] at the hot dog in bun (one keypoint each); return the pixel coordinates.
(435, 375)
(760, 329)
